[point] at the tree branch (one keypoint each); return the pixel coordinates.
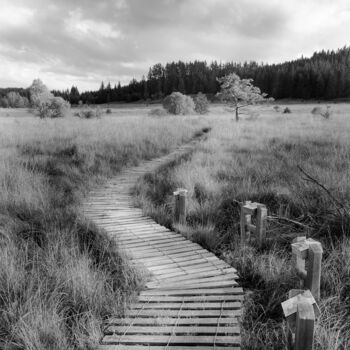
(313, 180)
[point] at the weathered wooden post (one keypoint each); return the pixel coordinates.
(180, 206)
(313, 276)
(310, 249)
(245, 220)
(248, 209)
(261, 221)
(300, 311)
(305, 324)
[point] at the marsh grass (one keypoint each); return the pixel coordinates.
(259, 162)
(60, 276)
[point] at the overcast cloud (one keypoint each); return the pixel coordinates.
(83, 42)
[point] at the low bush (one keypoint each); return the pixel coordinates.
(325, 113)
(108, 111)
(201, 103)
(287, 110)
(89, 113)
(177, 103)
(277, 108)
(157, 112)
(53, 107)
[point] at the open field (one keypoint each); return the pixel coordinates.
(59, 275)
(257, 159)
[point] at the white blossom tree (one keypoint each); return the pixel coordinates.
(239, 93)
(45, 103)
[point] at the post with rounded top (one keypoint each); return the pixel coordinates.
(180, 206)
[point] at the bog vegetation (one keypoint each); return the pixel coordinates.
(59, 275)
(266, 161)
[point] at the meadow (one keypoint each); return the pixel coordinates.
(60, 276)
(262, 158)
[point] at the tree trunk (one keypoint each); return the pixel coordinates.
(237, 117)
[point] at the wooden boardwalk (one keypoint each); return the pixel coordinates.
(191, 301)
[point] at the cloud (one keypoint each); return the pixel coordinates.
(83, 42)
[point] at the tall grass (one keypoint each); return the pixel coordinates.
(259, 161)
(60, 276)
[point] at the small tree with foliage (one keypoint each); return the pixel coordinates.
(177, 103)
(201, 103)
(45, 103)
(239, 93)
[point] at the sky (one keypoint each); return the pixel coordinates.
(84, 42)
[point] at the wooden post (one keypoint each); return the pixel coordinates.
(261, 218)
(305, 324)
(310, 249)
(180, 206)
(245, 219)
(259, 229)
(298, 261)
(313, 277)
(300, 311)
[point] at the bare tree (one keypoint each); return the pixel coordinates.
(239, 93)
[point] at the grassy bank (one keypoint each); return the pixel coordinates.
(257, 159)
(59, 275)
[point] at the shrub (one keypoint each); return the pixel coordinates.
(157, 112)
(325, 113)
(201, 103)
(108, 111)
(54, 107)
(88, 113)
(177, 103)
(316, 110)
(277, 108)
(287, 110)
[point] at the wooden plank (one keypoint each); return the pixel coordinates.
(174, 255)
(186, 262)
(191, 280)
(188, 306)
(162, 246)
(215, 284)
(192, 267)
(203, 269)
(175, 340)
(182, 313)
(139, 241)
(170, 329)
(204, 291)
(190, 299)
(169, 347)
(161, 321)
(170, 259)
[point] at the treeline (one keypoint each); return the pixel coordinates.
(14, 97)
(325, 75)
